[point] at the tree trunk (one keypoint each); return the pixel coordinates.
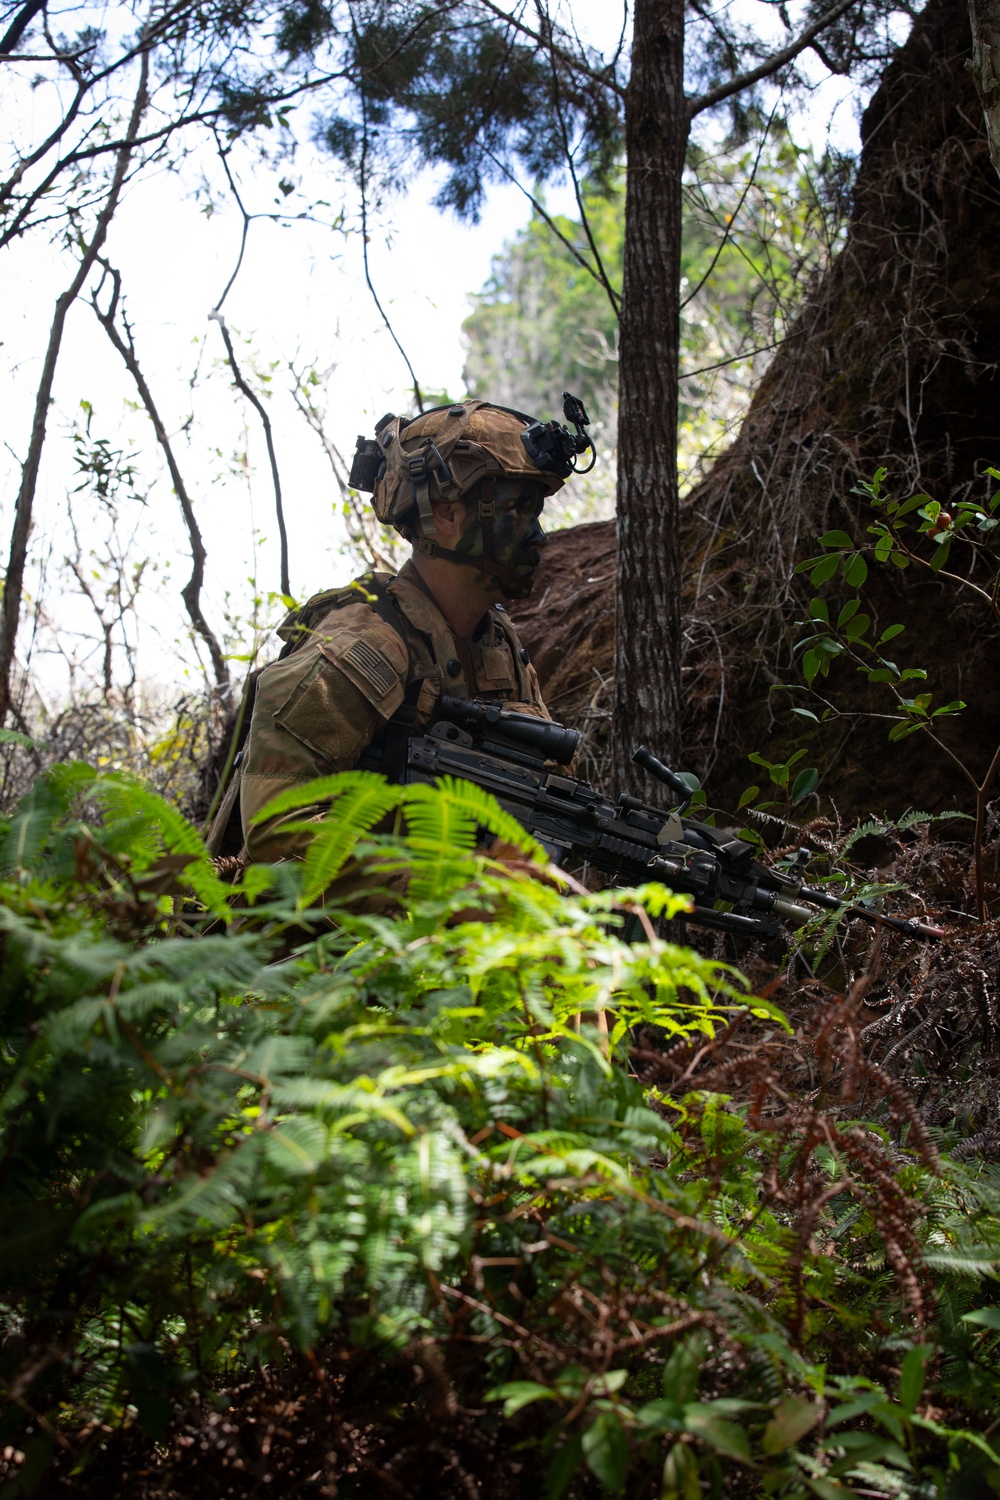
(985, 67)
(648, 635)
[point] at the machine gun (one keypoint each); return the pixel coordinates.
(511, 755)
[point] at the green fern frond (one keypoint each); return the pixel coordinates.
(323, 789)
(32, 825)
(129, 799)
(361, 804)
(474, 806)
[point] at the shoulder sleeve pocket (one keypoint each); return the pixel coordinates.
(375, 663)
(326, 713)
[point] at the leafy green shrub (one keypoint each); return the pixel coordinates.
(239, 1122)
(902, 533)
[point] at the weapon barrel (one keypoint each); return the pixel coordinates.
(908, 925)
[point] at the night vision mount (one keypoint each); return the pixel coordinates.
(553, 447)
(550, 446)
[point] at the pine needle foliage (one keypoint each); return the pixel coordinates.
(237, 1124)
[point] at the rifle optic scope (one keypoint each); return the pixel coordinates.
(546, 739)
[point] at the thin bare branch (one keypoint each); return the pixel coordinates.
(363, 184)
(191, 592)
(604, 76)
(770, 65)
(10, 611)
(258, 406)
(545, 216)
(545, 25)
(19, 26)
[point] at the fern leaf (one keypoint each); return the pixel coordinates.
(323, 789)
(356, 810)
(172, 831)
(31, 826)
(474, 806)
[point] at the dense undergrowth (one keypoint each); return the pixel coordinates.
(466, 1197)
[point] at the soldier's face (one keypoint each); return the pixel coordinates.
(517, 534)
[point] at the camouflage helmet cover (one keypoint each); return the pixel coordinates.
(444, 454)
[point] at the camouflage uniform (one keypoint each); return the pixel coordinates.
(360, 665)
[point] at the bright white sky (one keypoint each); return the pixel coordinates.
(300, 297)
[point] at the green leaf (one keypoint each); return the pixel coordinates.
(856, 1408)
(296, 1147)
(662, 1416)
(811, 664)
(911, 1376)
(835, 539)
(362, 802)
(900, 731)
(883, 674)
(726, 1438)
(605, 1448)
(680, 1474)
(827, 1489)
(855, 570)
(564, 1464)
(883, 547)
(866, 1448)
(682, 1370)
(793, 1418)
(985, 1317)
(806, 713)
(890, 633)
(32, 824)
(806, 783)
(943, 549)
(905, 507)
(819, 610)
(748, 795)
(848, 612)
(15, 737)
(900, 559)
(857, 627)
(517, 1393)
(824, 570)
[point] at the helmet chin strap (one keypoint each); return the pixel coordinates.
(513, 585)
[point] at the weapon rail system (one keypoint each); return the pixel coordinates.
(511, 755)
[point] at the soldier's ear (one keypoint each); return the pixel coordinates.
(450, 517)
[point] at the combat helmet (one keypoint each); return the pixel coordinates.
(457, 453)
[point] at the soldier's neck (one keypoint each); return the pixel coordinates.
(461, 594)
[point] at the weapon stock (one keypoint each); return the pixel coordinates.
(511, 755)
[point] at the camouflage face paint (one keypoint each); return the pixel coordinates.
(517, 535)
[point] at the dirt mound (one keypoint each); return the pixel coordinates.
(893, 361)
(568, 625)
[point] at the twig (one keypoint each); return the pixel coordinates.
(363, 186)
(10, 614)
(19, 26)
(544, 215)
(730, 228)
(257, 404)
(770, 64)
(191, 592)
(545, 25)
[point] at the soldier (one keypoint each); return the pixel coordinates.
(363, 667)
